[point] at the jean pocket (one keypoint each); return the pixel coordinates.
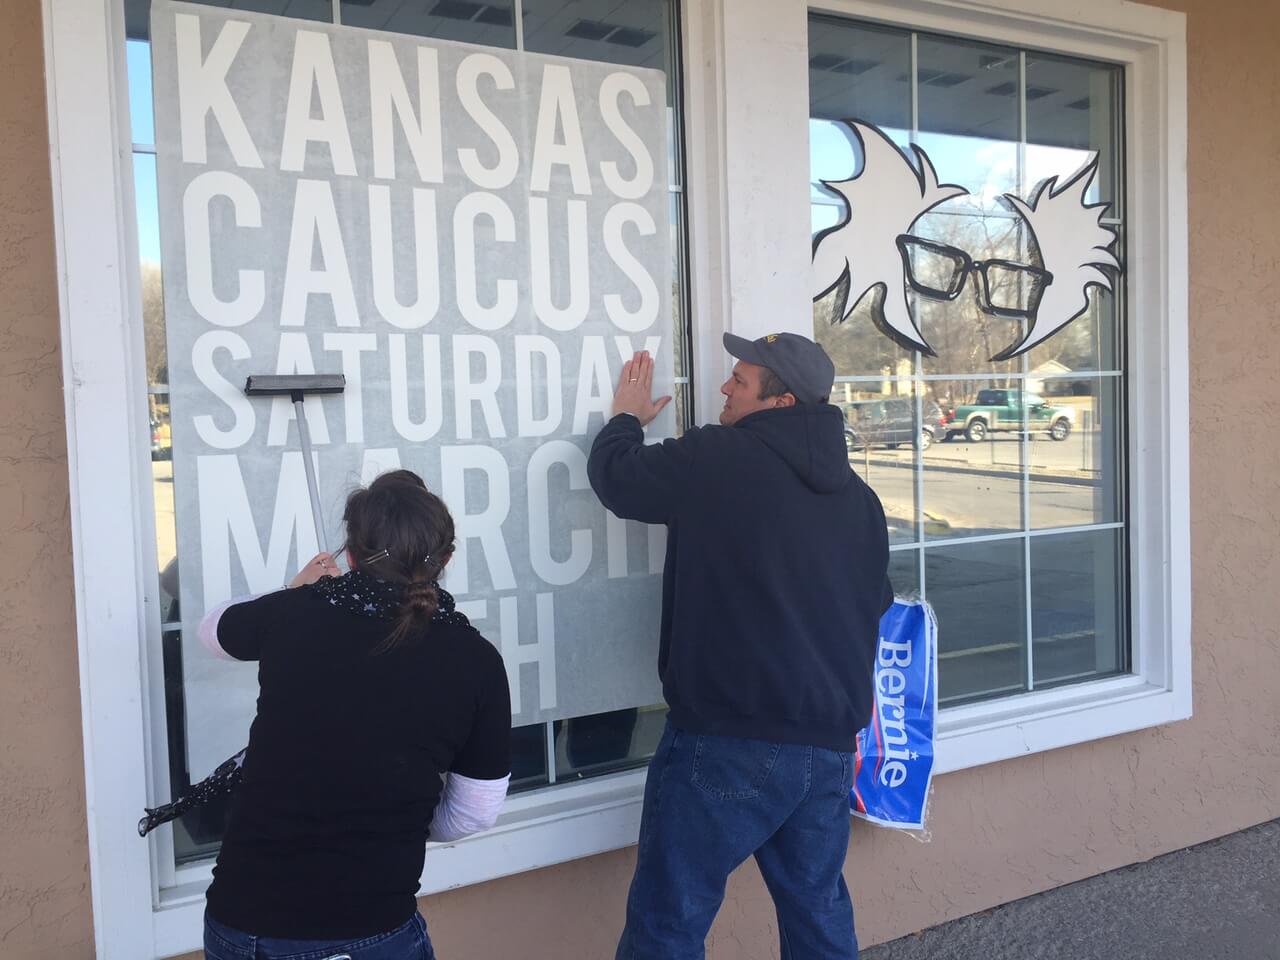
(219, 945)
(732, 768)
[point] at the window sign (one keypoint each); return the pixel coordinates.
(476, 238)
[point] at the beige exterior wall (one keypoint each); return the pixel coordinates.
(998, 833)
(44, 856)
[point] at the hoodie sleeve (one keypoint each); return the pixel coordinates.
(635, 480)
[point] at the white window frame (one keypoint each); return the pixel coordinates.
(749, 267)
(1150, 44)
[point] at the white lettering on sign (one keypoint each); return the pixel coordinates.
(503, 171)
(198, 232)
(420, 123)
(315, 78)
(228, 519)
(203, 91)
(382, 258)
(890, 682)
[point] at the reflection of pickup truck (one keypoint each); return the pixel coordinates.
(1001, 410)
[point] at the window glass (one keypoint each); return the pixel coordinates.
(490, 24)
(975, 314)
(855, 71)
(1077, 606)
(978, 592)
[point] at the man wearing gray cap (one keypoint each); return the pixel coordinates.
(774, 584)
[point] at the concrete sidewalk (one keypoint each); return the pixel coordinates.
(1217, 901)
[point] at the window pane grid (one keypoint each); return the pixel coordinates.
(1032, 373)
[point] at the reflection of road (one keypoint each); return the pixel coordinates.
(978, 590)
(976, 488)
(1080, 451)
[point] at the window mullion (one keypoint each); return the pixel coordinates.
(550, 728)
(913, 85)
(1025, 363)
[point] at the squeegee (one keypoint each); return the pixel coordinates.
(296, 386)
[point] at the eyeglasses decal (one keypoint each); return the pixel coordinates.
(939, 271)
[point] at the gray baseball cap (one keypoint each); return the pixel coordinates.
(799, 362)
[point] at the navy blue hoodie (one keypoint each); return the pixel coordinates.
(776, 571)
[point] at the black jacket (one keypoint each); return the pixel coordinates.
(328, 827)
(775, 575)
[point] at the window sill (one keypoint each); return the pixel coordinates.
(983, 733)
(571, 821)
(536, 829)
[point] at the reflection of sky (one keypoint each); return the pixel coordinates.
(144, 165)
(986, 168)
(138, 55)
(144, 188)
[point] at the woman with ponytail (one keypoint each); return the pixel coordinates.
(383, 721)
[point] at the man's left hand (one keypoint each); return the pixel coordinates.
(635, 390)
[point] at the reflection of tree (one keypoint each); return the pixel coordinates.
(679, 348)
(963, 336)
(1075, 345)
(855, 345)
(153, 323)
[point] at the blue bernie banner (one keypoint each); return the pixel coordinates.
(894, 763)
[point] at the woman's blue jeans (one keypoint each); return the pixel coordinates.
(409, 941)
(711, 802)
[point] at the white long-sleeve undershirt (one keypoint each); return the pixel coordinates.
(208, 629)
(467, 806)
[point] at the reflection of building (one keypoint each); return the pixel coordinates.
(1039, 378)
(896, 382)
(82, 706)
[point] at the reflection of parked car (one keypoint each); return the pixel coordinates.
(890, 422)
(1002, 410)
(161, 445)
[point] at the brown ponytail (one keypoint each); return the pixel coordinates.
(400, 532)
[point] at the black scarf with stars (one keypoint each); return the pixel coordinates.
(366, 596)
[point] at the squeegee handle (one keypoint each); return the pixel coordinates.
(304, 436)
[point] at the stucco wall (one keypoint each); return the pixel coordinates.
(998, 833)
(44, 867)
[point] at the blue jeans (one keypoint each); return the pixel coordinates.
(711, 802)
(409, 941)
